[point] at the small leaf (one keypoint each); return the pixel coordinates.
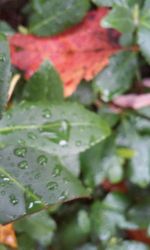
(127, 245)
(6, 28)
(44, 85)
(144, 34)
(55, 16)
(101, 162)
(108, 3)
(120, 18)
(39, 227)
(117, 77)
(4, 71)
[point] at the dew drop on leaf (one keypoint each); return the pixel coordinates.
(32, 136)
(46, 113)
(13, 199)
(42, 160)
(20, 152)
(63, 143)
(52, 185)
(78, 143)
(23, 165)
(56, 171)
(63, 196)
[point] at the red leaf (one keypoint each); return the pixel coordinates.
(79, 53)
(7, 236)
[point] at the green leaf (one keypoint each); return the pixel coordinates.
(138, 167)
(31, 180)
(55, 16)
(107, 216)
(108, 3)
(6, 28)
(25, 242)
(140, 214)
(44, 85)
(61, 129)
(4, 71)
(39, 227)
(101, 162)
(120, 18)
(117, 77)
(144, 34)
(128, 245)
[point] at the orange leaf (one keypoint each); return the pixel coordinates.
(80, 53)
(7, 236)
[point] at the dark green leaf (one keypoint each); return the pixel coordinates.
(101, 162)
(107, 216)
(30, 180)
(117, 77)
(44, 85)
(61, 129)
(25, 242)
(39, 227)
(144, 34)
(128, 245)
(51, 17)
(4, 71)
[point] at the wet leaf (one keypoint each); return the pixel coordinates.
(4, 71)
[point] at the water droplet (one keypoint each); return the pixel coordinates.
(47, 113)
(37, 176)
(21, 142)
(32, 136)
(20, 152)
(42, 160)
(13, 199)
(3, 192)
(56, 131)
(52, 185)
(23, 165)
(2, 58)
(33, 203)
(78, 143)
(63, 196)
(56, 171)
(63, 143)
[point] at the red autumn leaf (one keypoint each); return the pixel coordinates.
(7, 236)
(80, 53)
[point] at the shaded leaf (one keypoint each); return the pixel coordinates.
(4, 71)
(54, 16)
(44, 85)
(116, 78)
(128, 245)
(39, 227)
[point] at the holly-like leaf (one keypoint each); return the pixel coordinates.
(4, 71)
(80, 53)
(44, 85)
(55, 16)
(116, 78)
